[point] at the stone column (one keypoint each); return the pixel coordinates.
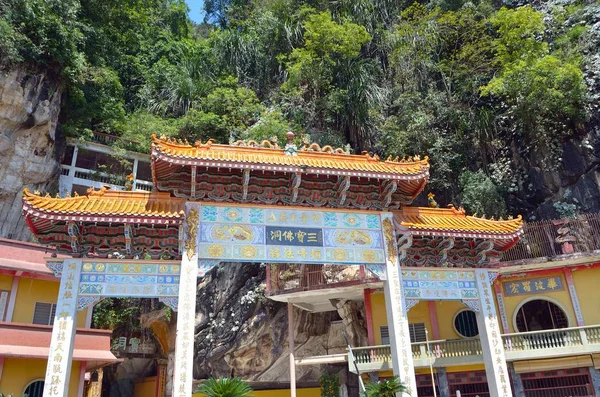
(186, 311)
(517, 382)
(60, 357)
(595, 375)
(395, 305)
(290, 308)
(491, 340)
(443, 384)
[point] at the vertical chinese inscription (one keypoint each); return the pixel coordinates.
(191, 232)
(402, 359)
(491, 340)
(184, 344)
(60, 357)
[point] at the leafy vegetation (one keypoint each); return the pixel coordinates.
(385, 388)
(330, 385)
(487, 89)
(225, 387)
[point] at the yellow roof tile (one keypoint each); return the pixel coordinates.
(454, 222)
(106, 202)
(170, 150)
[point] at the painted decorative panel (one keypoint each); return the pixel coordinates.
(129, 279)
(533, 286)
(290, 235)
(448, 284)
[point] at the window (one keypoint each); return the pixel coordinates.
(3, 303)
(465, 324)
(415, 330)
(566, 382)
(385, 334)
(34, 389)
(540, 314)
(44, 313)
(144, 172)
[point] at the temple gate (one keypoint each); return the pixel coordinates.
(199, 219)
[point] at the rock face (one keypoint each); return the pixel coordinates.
(29, 109)
(241, 333)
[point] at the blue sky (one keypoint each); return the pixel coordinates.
(196, 10)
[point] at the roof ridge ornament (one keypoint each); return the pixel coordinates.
(266, 144)
(290, 147)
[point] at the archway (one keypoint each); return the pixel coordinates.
(539, 315)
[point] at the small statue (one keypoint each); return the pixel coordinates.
(129, 183)
(431, 201)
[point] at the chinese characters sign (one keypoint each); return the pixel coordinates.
(533, 286)
(127, 279)
(439, 284)
(290, 235)
(58, 370)
(278, 235)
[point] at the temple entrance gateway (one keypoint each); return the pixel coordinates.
(259, 203)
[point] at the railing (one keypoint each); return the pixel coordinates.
(518, 346)
(109, 140)
(553, 238)
(118, 182)
(298, 277)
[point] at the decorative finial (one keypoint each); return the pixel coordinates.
(290, 147)
(431, 201)
(290, 137)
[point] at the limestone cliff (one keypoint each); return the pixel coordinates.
(29, 108)
(239, 332)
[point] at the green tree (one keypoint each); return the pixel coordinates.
(385, 388)
(225, 387)
(479, 195)
(543, 92)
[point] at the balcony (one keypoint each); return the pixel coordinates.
(554, 343)
(33, 341)
(85, 177)
(289, 282)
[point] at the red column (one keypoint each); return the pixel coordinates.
(435, 329)
(370, 335)
(161, 378)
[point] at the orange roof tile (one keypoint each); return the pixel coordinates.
(304, 160)
(107, 204)
(424, 220)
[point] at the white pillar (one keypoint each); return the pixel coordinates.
(81, 383)
(291, 346)
(60, 357)
(491, 341)
(14, 290)
(397, 315)
(183, 373)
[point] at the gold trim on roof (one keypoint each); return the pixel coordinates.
(107, 203)
(455, 221)
(330, 159)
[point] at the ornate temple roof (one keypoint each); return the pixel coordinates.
(135, 223)
(106, 205)
(453, 222)
(269, 157)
